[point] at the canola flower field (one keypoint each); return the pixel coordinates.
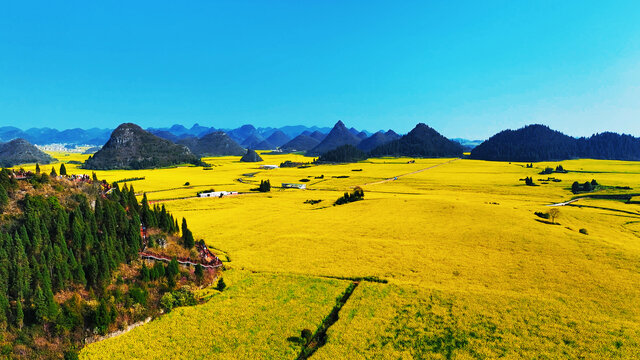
(471, 271)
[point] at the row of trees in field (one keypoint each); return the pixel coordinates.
(588, 186)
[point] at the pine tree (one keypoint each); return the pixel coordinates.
(133, 201)
(159, 270)
(187, 237)
(53, 172)
(94, 177)
(172, 271)
(221, 285)
(63, 170)
(21, 272)
(199, 272)
(4, 264)
(37, 169)
(102, 317)
(144, 272)
(146, 215)
(575, 187)
(40, 304)
(91, 271)
(4, 198)
(162, 219)
(19, 316)
(4, 310)
(265, 186)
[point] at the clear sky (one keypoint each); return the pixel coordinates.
(467, 68)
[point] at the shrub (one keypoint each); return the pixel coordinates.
(529, 181)
(71, 355)
(199, 272)
(356, 195)
(265, 186)
(221, 285)
(138, 295)
(167, 301)
(542, 215)
(306, 335)
(554, 213)
(584, 231)
(588, 186)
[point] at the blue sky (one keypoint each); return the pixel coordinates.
(467, 68)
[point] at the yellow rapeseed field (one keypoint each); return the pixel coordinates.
(253, 318)
(472, 272)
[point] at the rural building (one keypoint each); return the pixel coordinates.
(269, 167)
(294, 186)
(217, 194)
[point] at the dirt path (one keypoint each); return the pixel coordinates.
(411, 173)
(564, 203)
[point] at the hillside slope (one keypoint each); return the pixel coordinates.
(131, 147)
(422, 141)
(20, 151)
(338, 136)
(214, 144)
(300, 143)
(534, 143)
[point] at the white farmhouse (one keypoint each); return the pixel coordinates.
(217, 194)
(294, 186)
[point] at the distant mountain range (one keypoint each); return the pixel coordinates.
(97, 136)
(377, 139)
(301, 142)
(531, 143)
(45, 136)
(217, 143)
(467, 144)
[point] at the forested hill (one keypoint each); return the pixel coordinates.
(62, 242)
(131, 147)
(213, 144)
(610, 146)
(540, 143)
(422, 141)
(20, 151)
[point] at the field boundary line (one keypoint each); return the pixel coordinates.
(319, 338)
(410, 173)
